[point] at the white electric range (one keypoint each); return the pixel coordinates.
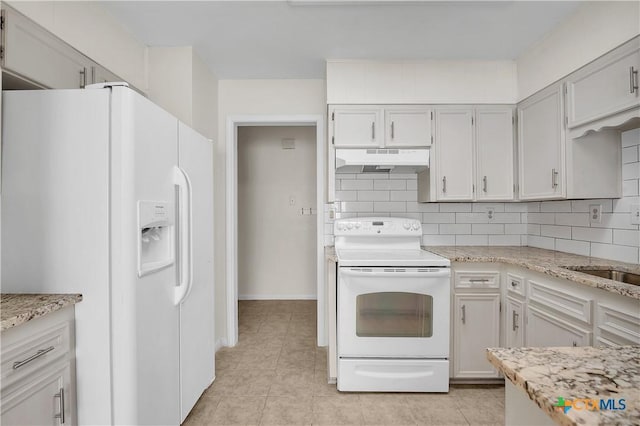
(393, 301)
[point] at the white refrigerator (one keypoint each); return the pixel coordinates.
(106, 194)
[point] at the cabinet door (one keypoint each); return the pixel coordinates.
(36, 54)
(357, 127)
(494, 148)
(541, 145)
(604, 87)
(454, 154)
(476, 327)
(407, 127)
(547, 329)
(514, 324)
(42, 400)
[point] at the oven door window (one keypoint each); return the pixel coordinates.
(394, 314)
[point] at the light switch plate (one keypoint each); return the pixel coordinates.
(635, 214)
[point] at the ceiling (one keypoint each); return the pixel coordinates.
(293, 39)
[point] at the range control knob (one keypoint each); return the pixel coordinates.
(350, 225)
(416, 226)
(407, 225)
(340, 227)
(358, 224)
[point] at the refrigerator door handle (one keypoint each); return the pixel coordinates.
(185, 243)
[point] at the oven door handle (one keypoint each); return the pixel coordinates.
(410, 273)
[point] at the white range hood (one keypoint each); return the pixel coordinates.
(385, 160)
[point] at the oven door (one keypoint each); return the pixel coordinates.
(393, 312)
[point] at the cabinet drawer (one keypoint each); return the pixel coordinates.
(571, 305)
(22, 357)
(515, 285)
(620, 327)
(477, 279)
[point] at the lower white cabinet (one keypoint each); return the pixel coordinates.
(515, 323)
(476, 327)
(545, 328)
(38, 371)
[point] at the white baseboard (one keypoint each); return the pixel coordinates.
(277, 297)
(221, 343)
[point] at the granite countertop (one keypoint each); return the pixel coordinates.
(546, 374)
(549, 262)
(16, 309)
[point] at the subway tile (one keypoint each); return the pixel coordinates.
(373, 195)
(504, 240)
(630, 187)
(430, 228)
(555, 207)
(615, 220)
(410, 215)
(460, 228)
(389, 206)
(533, 206)
(438, 240)
(491, 228)
(406, 176)
(631, 138)
(507, 217)
(472, 240)
(630, 154)
(329, 240)
(346, 215)
(555, 231)
(623, 205)
(524, 240)
(597, 235)
(347, 195)
(576, 247)
(345, 175)
(357, 206)
(374, 214)
(631, 171)
(516, 207)
(541, 242)
(572, 219)
(482, 207)
(404, 196)
(352, 184)
(533, 229)
(422, 207)
(412, 185)
(328, 229)
(472, 218)
(626, 237)
(614, 252)
(524, 217)
(439, 217)
(515, 228)
(542, 218)
(372, 176)
(455, 207)
(582, 206)
(388, 184)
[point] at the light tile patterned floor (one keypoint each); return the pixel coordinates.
(277, 376)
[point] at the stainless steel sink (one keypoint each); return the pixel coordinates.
(611, 274)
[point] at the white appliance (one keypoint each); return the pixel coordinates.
(356, 160)
(393, 308)
(106, 194)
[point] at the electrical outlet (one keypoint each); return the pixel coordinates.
(595, 213)
(491, 213)
(635, 214)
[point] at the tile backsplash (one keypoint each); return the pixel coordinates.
(556, 225)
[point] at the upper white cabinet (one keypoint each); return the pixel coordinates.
(605, 87)
(366, 126)
(454, 154)
(494, 153)
(541, 140)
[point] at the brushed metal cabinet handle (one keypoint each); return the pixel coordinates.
(484, 184)
(633, 80)
(444, 184)
(479, 280)
(514, 321)
(60, 415)
(554, 178)
(373, 130)
(37, 355)
(392, 130)
(464, 314)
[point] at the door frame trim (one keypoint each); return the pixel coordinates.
(231, 221)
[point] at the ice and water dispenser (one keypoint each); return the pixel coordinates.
(155, 236)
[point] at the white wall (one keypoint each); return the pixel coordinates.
(594, 29)
(421, 82)
(276, 243)
(252, 97)
(94, 32)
